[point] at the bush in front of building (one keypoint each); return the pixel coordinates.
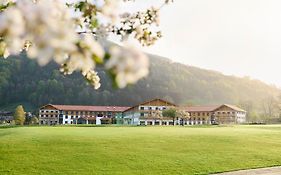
(106, 121)
(34, 121)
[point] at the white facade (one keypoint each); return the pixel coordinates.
(134, 117)
(49, 115)
(241, 117)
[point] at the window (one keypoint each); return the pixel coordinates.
(47, 115)
(66, 116)
(150, 108)
(142, 108)
(156, 108)
(65, 122)
(142, 114)
(72, 117)
(51, 115)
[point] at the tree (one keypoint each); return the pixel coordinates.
(156, 115)
(34, 120)
(270, 107)
(278, 106)
(12, 122)
(76, 42)
(182, 115)
(176, 114)
(254, 118)
(171, 112)
(19, 115)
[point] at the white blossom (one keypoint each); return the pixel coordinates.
(3, 51)
(129, 65)
(102, 32)
(12, 27)
(6, 53)
(83, 59)
(50, 30)
(93, 78)
(109, 9)
(93, 46)
(46, 24)
(47, 31)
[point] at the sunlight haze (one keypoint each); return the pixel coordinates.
(236, 37)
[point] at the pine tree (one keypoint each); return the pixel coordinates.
(19, 115)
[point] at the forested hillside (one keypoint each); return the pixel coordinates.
(23, 81)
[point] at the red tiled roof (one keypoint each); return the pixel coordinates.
(234, 108)
(167, 102)
(90, 108)
(201, 108)
(210, 108)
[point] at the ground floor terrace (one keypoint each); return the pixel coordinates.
(167, 122)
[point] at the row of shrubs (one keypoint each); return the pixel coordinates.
(28, 121)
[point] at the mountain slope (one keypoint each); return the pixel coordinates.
(23, 81)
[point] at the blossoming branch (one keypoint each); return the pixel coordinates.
(47, 31)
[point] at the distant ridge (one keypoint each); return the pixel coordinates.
(23, 81)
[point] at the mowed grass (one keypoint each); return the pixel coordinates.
(137, 150)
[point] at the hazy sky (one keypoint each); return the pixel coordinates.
(236, 37)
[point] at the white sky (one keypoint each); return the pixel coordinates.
(235, 37)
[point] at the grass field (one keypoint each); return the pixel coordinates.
(137, 150)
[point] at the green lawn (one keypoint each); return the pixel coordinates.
(137, 150)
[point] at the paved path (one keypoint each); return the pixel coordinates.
(261, 171)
